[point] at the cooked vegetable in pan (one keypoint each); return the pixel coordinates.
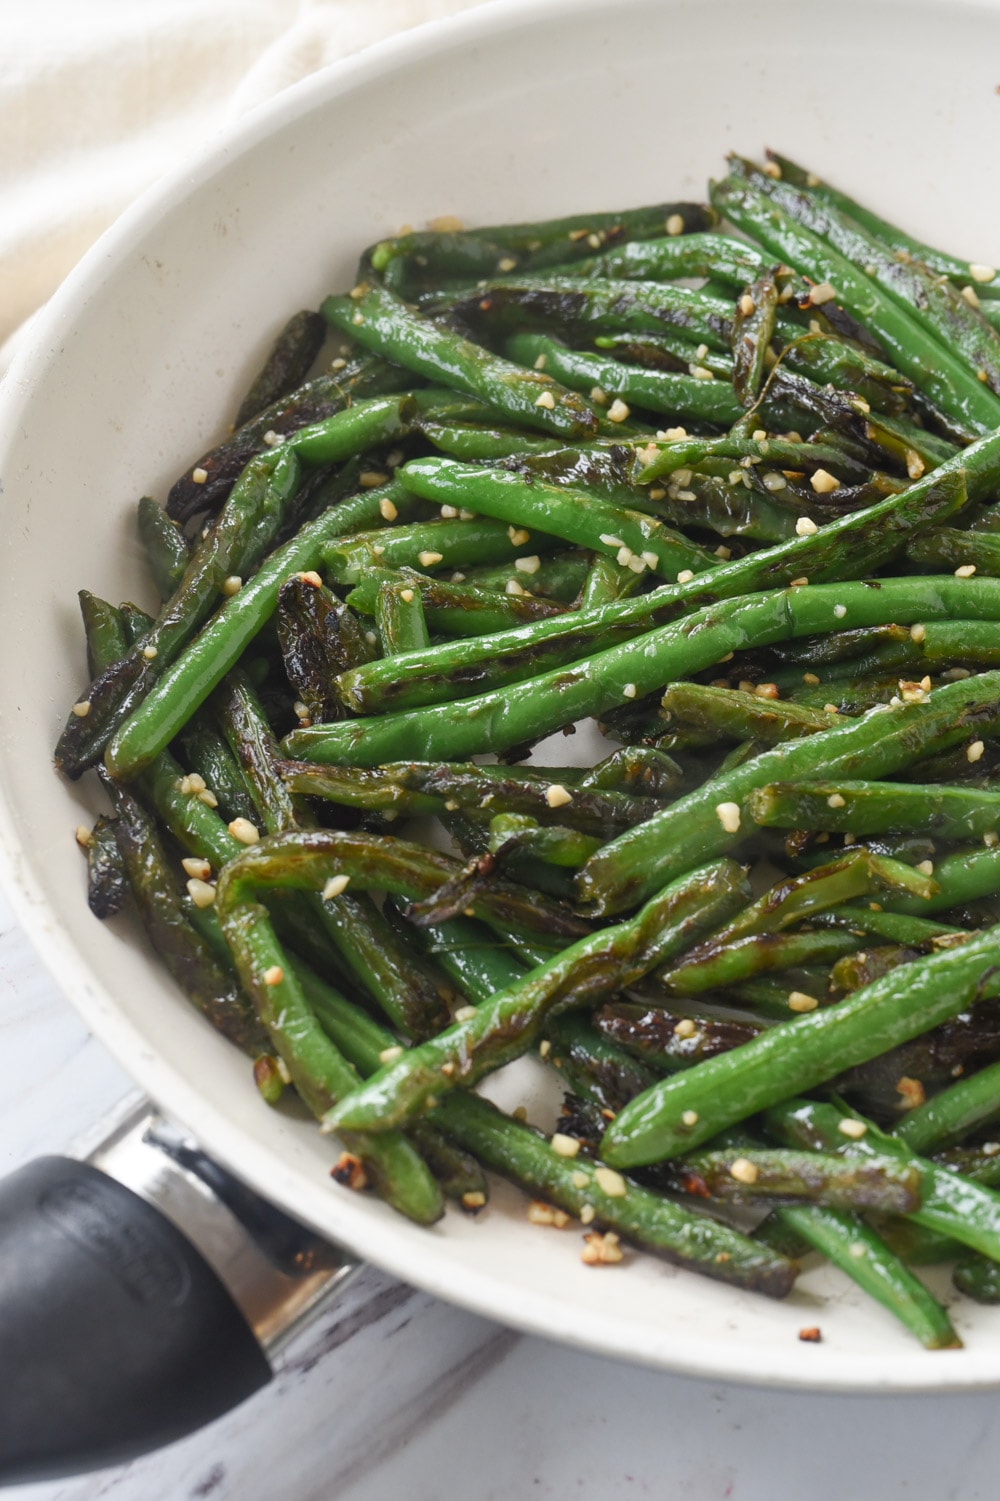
(721, 482)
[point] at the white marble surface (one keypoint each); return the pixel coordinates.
(395, 1396)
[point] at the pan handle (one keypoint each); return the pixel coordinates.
(143, 1293)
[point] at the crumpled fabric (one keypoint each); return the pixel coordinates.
(99, 98)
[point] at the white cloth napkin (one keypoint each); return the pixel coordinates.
(100, 97)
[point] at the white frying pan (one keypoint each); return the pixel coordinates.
(513, 111)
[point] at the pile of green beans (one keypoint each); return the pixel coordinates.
(718, 484)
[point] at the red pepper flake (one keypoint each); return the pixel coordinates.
(694, 1183)
(811, 1335)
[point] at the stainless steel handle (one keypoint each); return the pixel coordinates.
(279, 1274)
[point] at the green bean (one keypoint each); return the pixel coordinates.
(914, 448)
(876, 808)
(634, 540)
(477, 960)
(852, 545)
(891, 1086)
(189, 960)
(676, 257)
(959, 271)
(682, 397)
(560, 576)
(413, 994)
(502, 718)
(417, 787)
(914, 1244)
(826, 1179)
(800, 1053)
(969, 406)
(961, 876)
(734, 715)
(745, 958)
(798, 898)
(658, 1036)
(190, 817)
(318, 1070)
(661, 458)
(358, 1034)
(656, 1224)
(455, 608)
(950, 1204)
(710, 820)
(307, 860)
(514, 834)
(431, 544)
(690, 498)
(471, 441)
(588, 306)
(944, 1119)
(849, 366)
(205, 485)
(851, 694)
(977, 1163)
(854, 1247)
(319, 637)
(234, 545)
(166, 548)
(463, 253)
(187, 683)
(671, 351)
(205, 752)
(638, 769)
(511, 1021)
(978, 1278)
(251, 740)
(930, 299)
(923, 648)
(866, 965)
(286, 366)
(895, 926)
(107, 878)
(400, 619)
(753, 329)
(766, 999)
(946, 547)
(954, 765)
(104, 631)
(384, 323)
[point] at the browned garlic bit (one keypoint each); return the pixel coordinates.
(540, 1213)
(911, 1092)
(349, 1171)
(601, 1250)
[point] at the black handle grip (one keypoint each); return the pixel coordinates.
(116, 1336)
